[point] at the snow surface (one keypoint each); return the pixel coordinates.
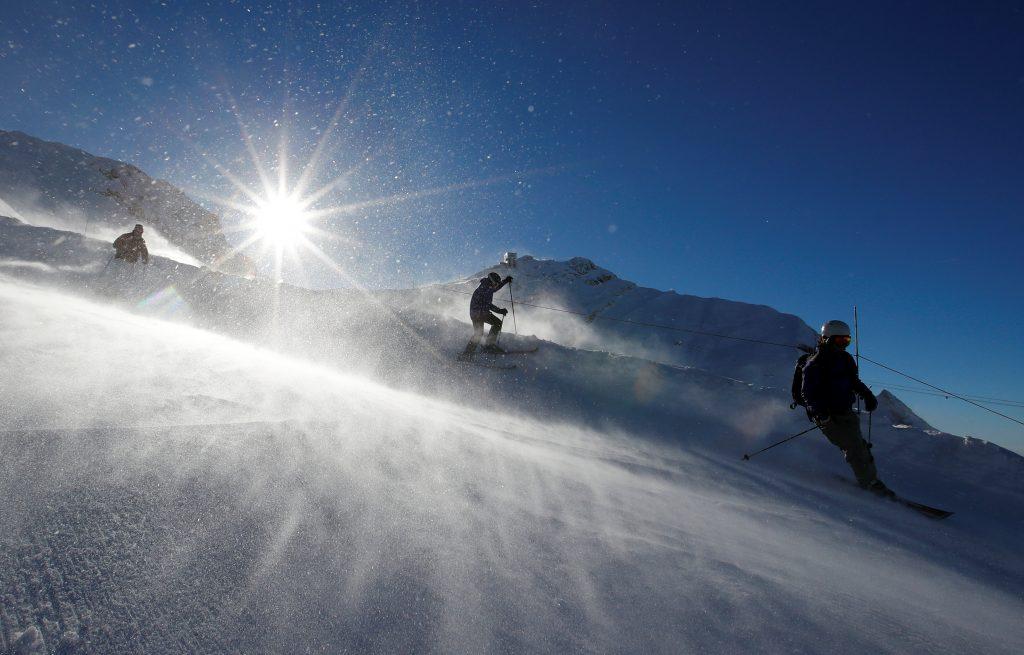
(53, 185)
(194, 462)
(618, 315)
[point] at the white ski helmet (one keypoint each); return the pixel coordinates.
(834, 328)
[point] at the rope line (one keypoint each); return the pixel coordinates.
(938, 394)
(948, 393)
(749, 340)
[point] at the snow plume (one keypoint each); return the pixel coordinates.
(578, 304)
(53, 184)
(567, 329)
(278, 505)
(7, 210)
(581, 332)
(70, 218)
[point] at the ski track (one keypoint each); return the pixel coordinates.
(214, 497)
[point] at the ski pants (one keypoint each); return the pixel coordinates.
(844, 432)
(478, 330)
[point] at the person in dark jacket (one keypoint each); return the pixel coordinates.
(130, 246)
(481, 307)
(830, 386)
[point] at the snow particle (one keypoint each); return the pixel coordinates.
(530, 109)
(146, 81)
(613, 228)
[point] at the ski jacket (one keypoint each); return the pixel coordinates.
(129, 247)
(831, 382)
(482, 302)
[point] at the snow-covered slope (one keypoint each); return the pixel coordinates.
(171, 490)
(618, 315)
(55, 185)
(312, 471)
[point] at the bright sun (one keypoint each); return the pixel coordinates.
(280, 221)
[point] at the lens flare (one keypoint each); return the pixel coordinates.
(280, 221)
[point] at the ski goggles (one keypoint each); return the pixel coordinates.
(843, 339)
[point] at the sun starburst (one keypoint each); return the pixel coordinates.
(280, 221)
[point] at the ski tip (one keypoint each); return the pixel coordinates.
(925, 510)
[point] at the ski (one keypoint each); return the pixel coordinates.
(510, 352)
(501, 367)
(925, 510)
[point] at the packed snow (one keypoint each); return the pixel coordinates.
(195, 462)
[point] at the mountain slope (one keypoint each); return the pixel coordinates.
(617, 316)
(170, 489)
(56, 185)
(404, 345)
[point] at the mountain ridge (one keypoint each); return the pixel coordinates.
(618, 315)
(53, 184)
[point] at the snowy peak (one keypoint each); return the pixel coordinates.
(754, 343)
(899, 414)
(587, 271)
(55, 185)
(566, 274)
(581, 267)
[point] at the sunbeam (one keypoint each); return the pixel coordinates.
(281, 216)
(280, 221)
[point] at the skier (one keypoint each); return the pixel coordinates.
(830, 382)
(480, 308)
(130, 246)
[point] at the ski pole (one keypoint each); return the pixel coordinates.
(856, 336)
(870, 416)
(779, 443)
(515, 328)
(107, 265)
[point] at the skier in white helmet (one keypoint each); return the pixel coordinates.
(830, 386)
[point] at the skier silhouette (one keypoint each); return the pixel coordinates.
(830, 384)
(130, 246)
(481, 307)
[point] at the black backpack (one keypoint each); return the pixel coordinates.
(798, 378)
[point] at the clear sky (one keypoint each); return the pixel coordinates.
(809, 157)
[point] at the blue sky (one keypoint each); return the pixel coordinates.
(809, 158)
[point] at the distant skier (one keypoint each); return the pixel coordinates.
(480, 308)
(830, 384)
(130, 246)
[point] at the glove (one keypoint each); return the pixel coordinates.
(870, 402)
(508, 278)
(503, 311)
(822, 419)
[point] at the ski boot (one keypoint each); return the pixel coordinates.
(878, 488)
(493, 349)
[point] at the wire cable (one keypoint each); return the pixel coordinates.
(592, 317)
(938, 394)
(948, 393)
